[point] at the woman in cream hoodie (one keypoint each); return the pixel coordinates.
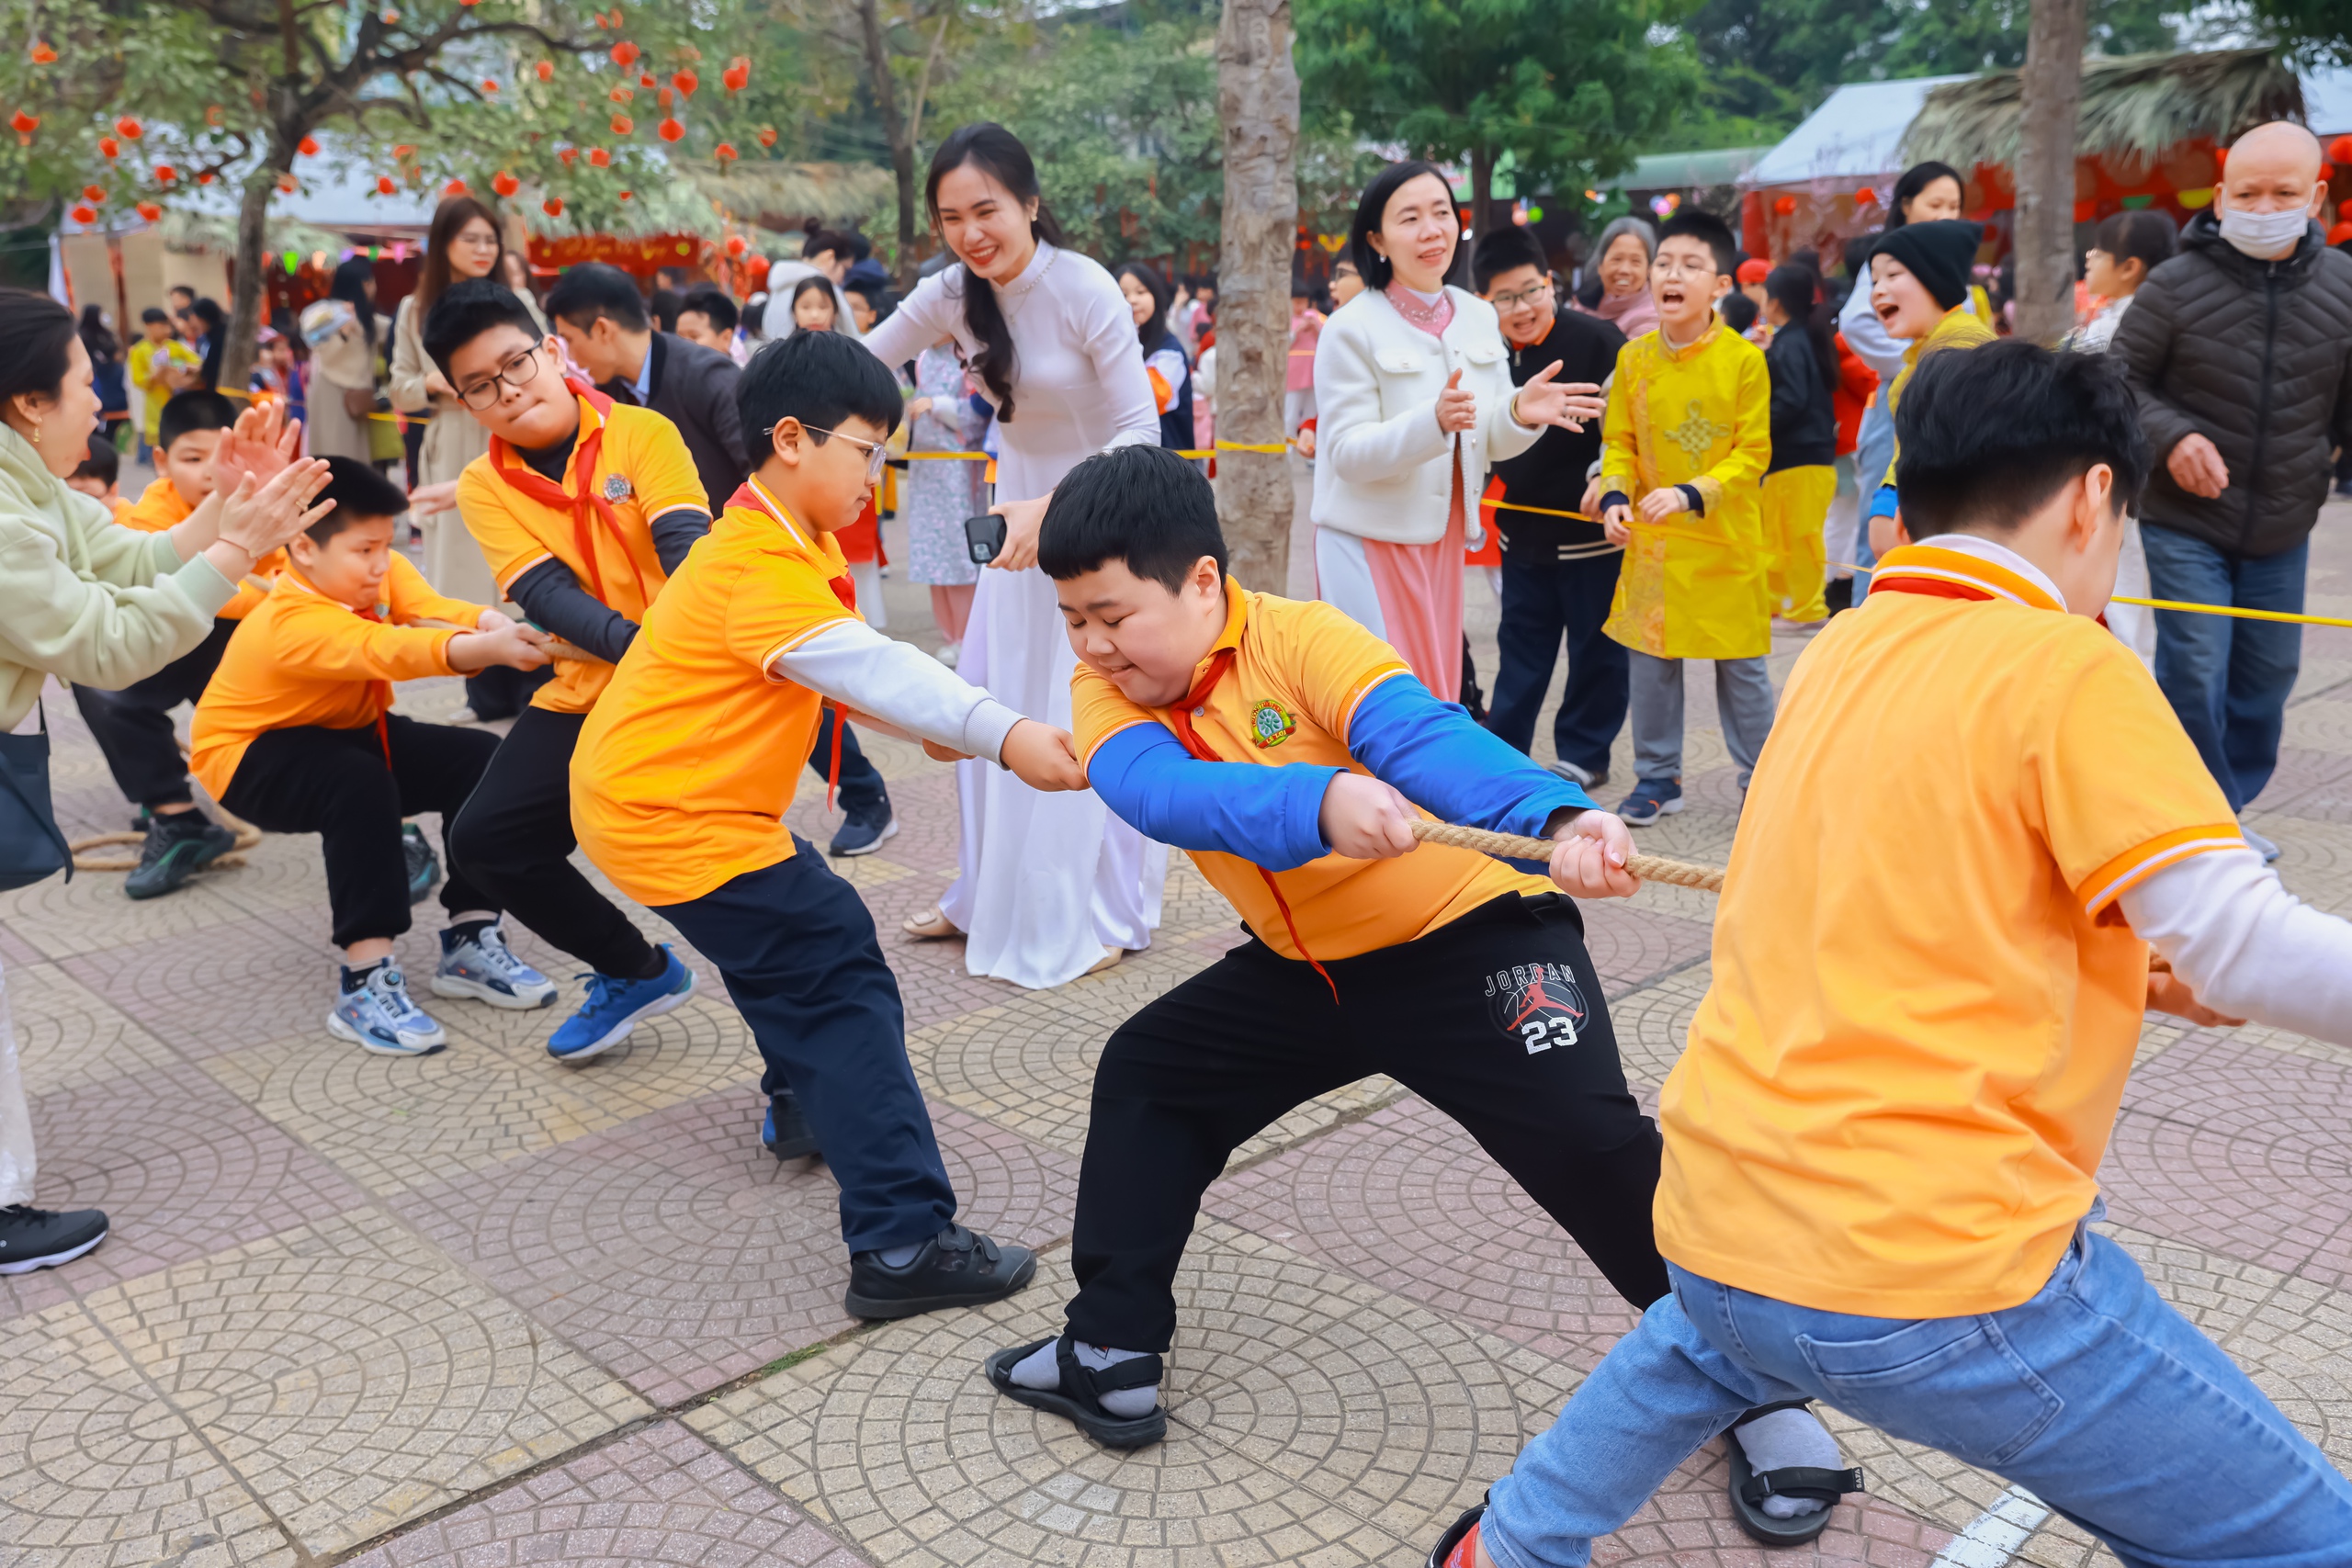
(1413, 389)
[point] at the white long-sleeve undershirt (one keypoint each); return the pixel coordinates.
(2247, 946)
(898, 684)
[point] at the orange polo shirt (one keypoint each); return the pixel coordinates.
(685, 769)
(644, 471)
(302, 659)
(1897, 1091)
(1300, 671)
(161, 506)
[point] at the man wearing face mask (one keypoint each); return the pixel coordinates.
(2238, 349)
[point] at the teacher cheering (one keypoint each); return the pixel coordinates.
(1049, 886)
(1414, 395)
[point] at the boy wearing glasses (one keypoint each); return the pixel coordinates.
(1689, 437)
(582, 508)
(1560, 573)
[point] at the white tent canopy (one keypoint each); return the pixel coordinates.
(1855, 136)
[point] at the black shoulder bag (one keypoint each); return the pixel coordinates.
(31, 847)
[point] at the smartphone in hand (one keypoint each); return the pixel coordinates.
(984, 535)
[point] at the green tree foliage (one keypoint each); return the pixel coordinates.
(1572, 93)
(2318, 29)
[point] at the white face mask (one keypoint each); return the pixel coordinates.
(2263, 235)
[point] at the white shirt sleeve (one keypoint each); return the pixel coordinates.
(1169, 362)
(921, 319)
(1106, 330)
(899, 683)
(2247, 946)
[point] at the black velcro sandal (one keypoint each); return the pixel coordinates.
(1078, 1399)
(1452, 1539)
(1749, 1487)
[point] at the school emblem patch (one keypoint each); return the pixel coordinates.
(1538, 1002)
(616, 487)
(1270, 725)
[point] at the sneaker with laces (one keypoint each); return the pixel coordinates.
(379, 1016)
(484, 967)
(1651, 799)
(863, 835)
(613, 1007)
(423, 866)
(34, 1238)
(956, 1268)
(180, 844)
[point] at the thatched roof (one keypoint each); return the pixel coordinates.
(2135, 106)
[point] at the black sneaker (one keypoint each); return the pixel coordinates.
(956, 1268)
(34, 1238)
(180, 844)
(423, 866)
(786, 1131)
(863, 835)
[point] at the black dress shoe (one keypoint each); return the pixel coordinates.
(956, 1268)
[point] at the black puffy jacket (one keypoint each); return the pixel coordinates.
(2256, 357)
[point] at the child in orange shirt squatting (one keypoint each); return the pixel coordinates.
(582, 507)
(134, 725)
(1289, 750)
(687, 766)
(1882, 1137)
(295, 735)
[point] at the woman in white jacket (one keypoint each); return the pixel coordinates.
(1413, 391)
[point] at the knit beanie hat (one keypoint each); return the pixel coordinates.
(1940, 253)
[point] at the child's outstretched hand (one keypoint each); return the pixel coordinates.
(1588, 861)
(1364, 819)
(1043, 757)
(2169, 993)
(497, 641)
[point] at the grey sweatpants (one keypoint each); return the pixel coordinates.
(1743, 695)
(15, 1118)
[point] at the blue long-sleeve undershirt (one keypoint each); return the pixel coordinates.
(1432, 751)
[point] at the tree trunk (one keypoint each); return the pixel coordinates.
(2052, 87)
(894, 129)
(1258, 101)
(1482, 188)
(246, 290)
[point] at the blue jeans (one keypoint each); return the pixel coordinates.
(1874, 451)
(1545, 599)
(2095, 1396)
(2228, 679)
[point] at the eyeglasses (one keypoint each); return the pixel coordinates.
(876, 454)
(517, 372)
(1666, 267)
(1524, 298)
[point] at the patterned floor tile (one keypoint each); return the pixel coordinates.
(2261, 1203)
(393, 1123)
(658, 1496)
(1653, 1023)
(2222, 1084)
(98, 1471)
(1632, 947)
(353, 1378)
(679, 1254)
(67, 1037)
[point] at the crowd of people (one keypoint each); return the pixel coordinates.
(649, 539)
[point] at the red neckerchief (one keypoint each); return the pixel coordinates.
(1181, 720)
(751, 496)
(589, 503)
(1936, 588)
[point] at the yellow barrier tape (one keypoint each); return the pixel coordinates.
(2232, 611)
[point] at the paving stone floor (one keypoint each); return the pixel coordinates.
(483, 1309)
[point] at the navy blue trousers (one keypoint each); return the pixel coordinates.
(798, 951)
(1545, 600)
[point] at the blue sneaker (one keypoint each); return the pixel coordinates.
(1651, 799)
(613, 1007)
(378, 1017)
(484, 967)
(785, 1133)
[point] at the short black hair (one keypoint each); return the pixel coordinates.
(104, 464)
(1698, 223)
(192, 411)
(593, 290)
(2058, 414)
(156, 313)
(1505, 248)
(1737, 310)
(359, 492)
(713, 303)
(818, 378)
(1372, 210)
(663, 303)
(1140, 504)
(470, 308)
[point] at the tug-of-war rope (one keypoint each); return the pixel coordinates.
(1511, 846)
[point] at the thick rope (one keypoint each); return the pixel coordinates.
(1511, 846)
(247, 836)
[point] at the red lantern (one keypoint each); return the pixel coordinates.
(84, 215)
(725, 152)
(289, 183)
(2340, 150)
(737, 245)
(566, 154)
(645, 79)
(623, 124)
(386, 185)
(623, 94)
(487, 84)
(44, 55)
(624, 54)
(204, 178)
(404, 152)
(127, 128)
(664, 98)
(24, 125)
(149, 211)
(685, 82)
(552, 207)
(109, 148)
(546, 68)
(504, 184)
(2221, 159)
(1785, 204)
(767, 136)
(670, 130)
(469, 2)
(455, 187)
(599, 158)
(307, 147)
(627, 194)
(166, 173)
(94, 193)
(738, 74)
(2340, 233)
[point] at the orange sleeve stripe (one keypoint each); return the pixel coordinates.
(768, 659)
(1363, 689)
(509, 580)
(2126, 871)
(1102, 739)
